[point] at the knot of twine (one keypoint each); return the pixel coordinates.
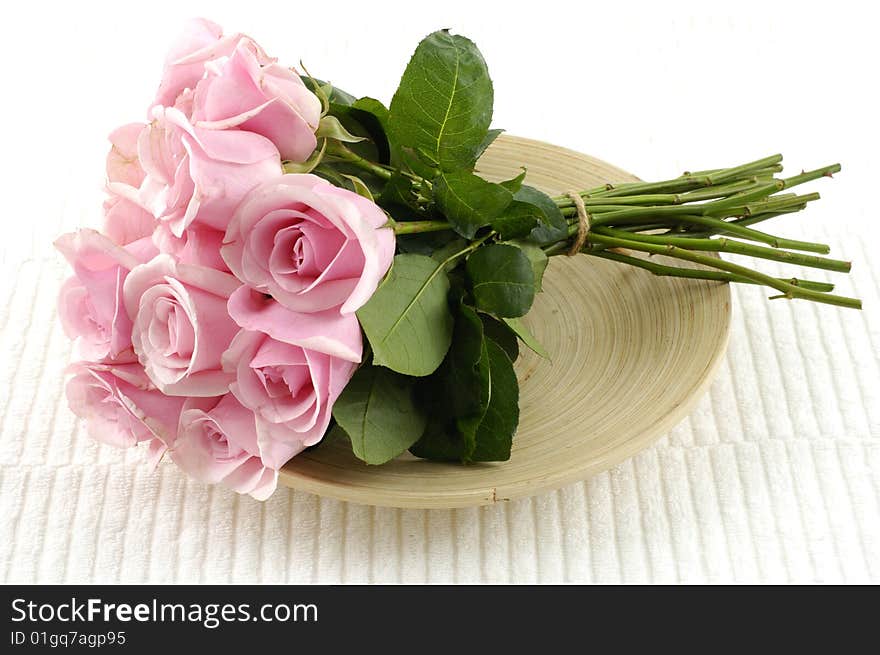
(583, 223)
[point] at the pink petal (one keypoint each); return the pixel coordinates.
(122, 160)
(126, 221)
(277, 444)
(327, 332)
(271, 101)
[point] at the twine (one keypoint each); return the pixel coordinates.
(583, 223)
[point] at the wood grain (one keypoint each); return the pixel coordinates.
(630, 355)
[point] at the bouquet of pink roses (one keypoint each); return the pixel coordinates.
(278, 257)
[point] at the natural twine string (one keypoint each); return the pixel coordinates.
(583, 223)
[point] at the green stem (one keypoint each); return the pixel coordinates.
(418, 227)
(677, 218)
(737, 205)
(723, 205)
(732, 228)
(787, 289)
(774, 203)
(763, 216)
(691, 181)
(808, 176)
(469, 248)
(729, 174)
(341, 152)
(720, 191)
(743, 222)
(724, 244)
(698, 273)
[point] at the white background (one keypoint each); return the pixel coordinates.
(776, 475)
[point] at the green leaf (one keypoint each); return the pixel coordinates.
(502, 280)
(457, 394)
(309, 164)
(374, 108)
(515, 183)
(537, 258)
(337, 95)
(494, 435)
(443, 105)
(369, 117)
(341, 174)
(425, 243)
(331, 128)
(502, 334)
(468, 424)
(330, 174)
(485, 434)
(439, 443)
(333, 434)
(359, 187)
(460, 373)
(491, 135)
(468, 201)
(399, 191)
(412, 162)
(554, 227)
(517, 221)
(377, 411)
(407, 321)
(447, 250)
(518, 326)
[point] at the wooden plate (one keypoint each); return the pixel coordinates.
(630, 355)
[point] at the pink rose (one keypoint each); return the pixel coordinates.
(291, 389)
(181, 325)
(196, 174)
(123, 164)
(121, 408)
(217, 443)
(90, 305)
(200, 42)
(125, 218)
(199, 245)
(270, 100)
(326, 331)
(309, 244)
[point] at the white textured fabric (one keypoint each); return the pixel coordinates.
(774, 477)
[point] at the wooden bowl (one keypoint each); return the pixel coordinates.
(630, 355)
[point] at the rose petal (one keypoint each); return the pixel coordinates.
(169, 299)
(122, 160)
(218, 443)
(327, 332)
(286, 231)
(271, 101)
(118, 412)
